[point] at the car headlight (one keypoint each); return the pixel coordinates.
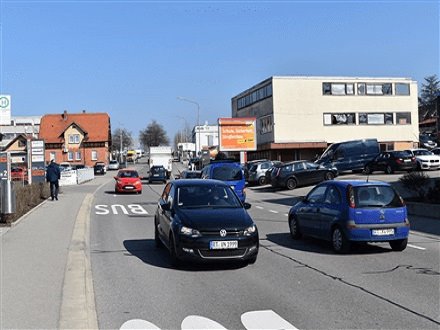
(189, 232)
(250, 230)
(138, 182)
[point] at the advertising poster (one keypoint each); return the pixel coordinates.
(237, 134)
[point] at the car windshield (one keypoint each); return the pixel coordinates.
(402, 154)
(422, 153)
(374, 196)
(128, 174)
(227, 173)
(157, 170)
(206, 196)
(113, 162)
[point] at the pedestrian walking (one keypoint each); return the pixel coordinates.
(53, 174)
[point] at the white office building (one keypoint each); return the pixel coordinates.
(205, 136)
(298, 117)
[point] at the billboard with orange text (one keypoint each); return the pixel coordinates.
(237, 134)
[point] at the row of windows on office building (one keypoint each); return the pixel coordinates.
(363, 118)
(339, 88)
(255, 96)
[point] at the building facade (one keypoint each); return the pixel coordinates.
(205, 136)
(298, 117)
(19, 125)
(76, 138)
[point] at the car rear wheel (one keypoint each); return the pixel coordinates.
(291, 184)
(367, 169)
(399, 245)
(340, 243)
(262, 180)
(294, 228)
(388, 169)
(329, 176)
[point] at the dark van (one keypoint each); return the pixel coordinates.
(228, 172)
(349, 155)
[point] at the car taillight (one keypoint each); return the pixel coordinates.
(399, 161)
(350, 197)
(413, 159)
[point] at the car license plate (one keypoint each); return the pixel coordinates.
(155, 174)
(382, 232)
(129, 187)
(222, 245)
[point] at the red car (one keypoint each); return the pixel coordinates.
(128, 180)
(18, 174)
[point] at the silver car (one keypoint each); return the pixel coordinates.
(257, 172)
(113, 165)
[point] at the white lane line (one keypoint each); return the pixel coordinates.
(259, 207)
(265, 320)
(272, 211)
(286, 214)
(199, 322)
(416, 247)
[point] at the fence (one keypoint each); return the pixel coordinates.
(73, 177)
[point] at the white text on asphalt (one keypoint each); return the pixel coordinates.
(116, 208)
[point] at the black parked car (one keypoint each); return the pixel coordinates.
(204, 220)
(301, 173)
(191, 174)
(390, 161)
(268, 174)
(99, 168)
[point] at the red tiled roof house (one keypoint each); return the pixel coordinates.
(77, 138)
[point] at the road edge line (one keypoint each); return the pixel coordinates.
(78, 310)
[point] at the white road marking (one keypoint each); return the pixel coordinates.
(286, 214)
(265, 320)
(259, 207)
(139, 324)
(193, 322)
(416, 247)
(272, 211)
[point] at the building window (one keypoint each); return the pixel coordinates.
(94, 155)
(254, 96)
(266, 124)
(339, 118)
(21, 143)
(402, 89)
(337, 89)
(52, 155)
(376, 118)
(70, 155)
(403, 118)
(361, 88)
(74, 138)
(78, 155)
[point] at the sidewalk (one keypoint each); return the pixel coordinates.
(33, 256)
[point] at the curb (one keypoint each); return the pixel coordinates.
(423, 209)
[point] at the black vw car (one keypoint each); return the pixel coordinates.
(300, 173)
(204, 220)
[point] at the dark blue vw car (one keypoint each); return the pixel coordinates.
(352, 211)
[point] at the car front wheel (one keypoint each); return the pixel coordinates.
(294, 228)
(262, 180)
(388, 169)
(367, 169)
(329, 176)
(340, 243)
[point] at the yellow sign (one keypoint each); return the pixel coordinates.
(237, 134)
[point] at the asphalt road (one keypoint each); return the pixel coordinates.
(299, 282)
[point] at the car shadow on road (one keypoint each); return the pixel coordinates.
(308, 244)
(288, 201)
(146, 250)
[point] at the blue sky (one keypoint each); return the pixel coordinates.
(133, 59)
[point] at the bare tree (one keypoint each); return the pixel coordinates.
(127, 140)
(153, 135)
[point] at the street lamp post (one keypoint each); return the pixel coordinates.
(198, 123)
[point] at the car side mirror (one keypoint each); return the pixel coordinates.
(165, 206)
(116, 178)
(246, 205)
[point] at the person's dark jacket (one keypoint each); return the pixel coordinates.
(53, 172)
